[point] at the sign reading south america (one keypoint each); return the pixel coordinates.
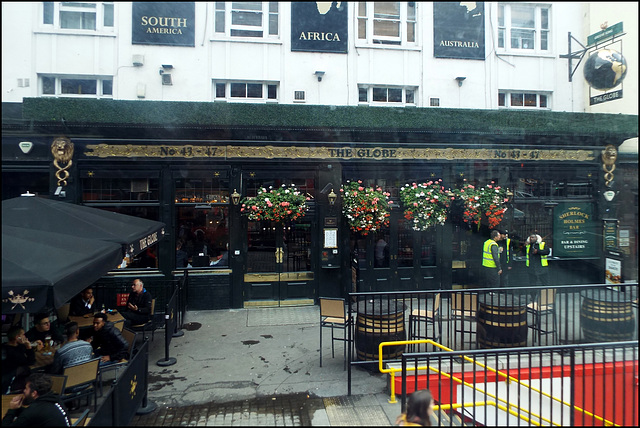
(319, 26)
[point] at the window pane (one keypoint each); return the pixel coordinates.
(410, 96)
(386, 28)
(362, 95)
(273, 6)
(254, 90)
(380, 94)
(246, 5)
(405, 243)
(522, 39)
(501, 99)
(395, 95)
(48, 85)
(220, 22)
(530, 100)
(517, 100)
(544, 24)
(428, 248)
(362, 8)
(78, 86)
(523, 16)
(78, 20)
(362, 28)
(238, 90)
(107, 87)
(272, 92)
(501, 15)
(543, 101)
(411, 32)
(220, 90)
(386, 10)
(108, 15)
(47, 12)
(246, 33)
(273, 24)
(246, 18)
(501, 38)
(544, 40)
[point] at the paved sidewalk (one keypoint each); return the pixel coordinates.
(260, 366)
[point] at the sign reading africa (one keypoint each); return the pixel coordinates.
(163, 23)
(458, 30)
(319, 26)
(573, 230)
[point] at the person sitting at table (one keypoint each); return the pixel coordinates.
(83, 303)
(42, 330)
(17, 356)
(107, 341)
(74, 351)
(138, 305)
(37, 406)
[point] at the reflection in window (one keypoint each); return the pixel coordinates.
(93, 87)
(202, 236)
(119, 189)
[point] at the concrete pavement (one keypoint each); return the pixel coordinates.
(260, 366)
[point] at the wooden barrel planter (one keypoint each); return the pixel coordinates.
(502, 321)
(607, 317)
(379, 322)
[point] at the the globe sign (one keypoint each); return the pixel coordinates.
(605, 69)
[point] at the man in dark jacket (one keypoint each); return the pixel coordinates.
(83, 303)
(42, 330)
(107, 341)
(138, 305)
(44, 406)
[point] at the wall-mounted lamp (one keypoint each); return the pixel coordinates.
(460, 79)
(319, 75)
(235, 197)
(332, 197)
(165, 72)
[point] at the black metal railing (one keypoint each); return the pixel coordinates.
(567, 385)
(488, 318)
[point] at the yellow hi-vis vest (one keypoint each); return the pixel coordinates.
(543, 258)
(487, 258)
(508, 258)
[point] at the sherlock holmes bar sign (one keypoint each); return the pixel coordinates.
(318, 26)
(458, 30)
(163, 23)
(573, 230)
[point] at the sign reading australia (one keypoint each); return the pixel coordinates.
(458, 30)
(163, 23)
(319, 26)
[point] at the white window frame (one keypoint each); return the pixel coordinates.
(269, 11)
(227, 92)
(369, 17)
(370, 89)
(62, 7)
(508, 94)
(506, 28)
(58, 86)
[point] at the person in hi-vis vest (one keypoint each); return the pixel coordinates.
(537, 263)
(491, 268)
(506, 254)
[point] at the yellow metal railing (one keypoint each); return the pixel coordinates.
(393, 370)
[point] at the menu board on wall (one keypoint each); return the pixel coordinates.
(458, 30)
(573, 230)
(319, 26)
(163, 23)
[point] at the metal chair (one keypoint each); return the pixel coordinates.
(149, 324)
(131, 337)
(544, 305)
(419, 317)
(464, 307)
(58, 383)
(81, 420)
(333, 315)
(82, 381)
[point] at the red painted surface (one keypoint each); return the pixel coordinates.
(609, 390)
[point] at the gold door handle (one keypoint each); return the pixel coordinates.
(279, 255)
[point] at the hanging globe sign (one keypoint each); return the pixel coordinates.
(605, 69)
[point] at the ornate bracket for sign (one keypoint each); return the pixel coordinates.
(579, 54)
(62, 151)
(609, 156)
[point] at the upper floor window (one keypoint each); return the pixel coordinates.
(522, 100)
(78, 15)
(391, 23)
(96, 87)
(523, 27)
(248, 91)
(387, 95)
(247, 19)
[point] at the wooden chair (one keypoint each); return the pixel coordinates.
(82, 381)
(6, 399)
(81, 420)
(419, 317)
(464, 307)
(544, 305)
(334, 315)
(63, 313)
(58, 383)
(131, 337)
(119, 324)
(149, 325)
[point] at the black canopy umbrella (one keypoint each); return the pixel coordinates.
(43, 269)
(135, 234)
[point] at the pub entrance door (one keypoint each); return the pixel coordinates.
(278, 267)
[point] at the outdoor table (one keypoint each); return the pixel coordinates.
(85, 321)
(607, 315)
(379, 320)
(502, 320)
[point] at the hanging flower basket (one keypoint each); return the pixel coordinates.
(488, 202)
(281, 204)
(366, 209)
(426, 204)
